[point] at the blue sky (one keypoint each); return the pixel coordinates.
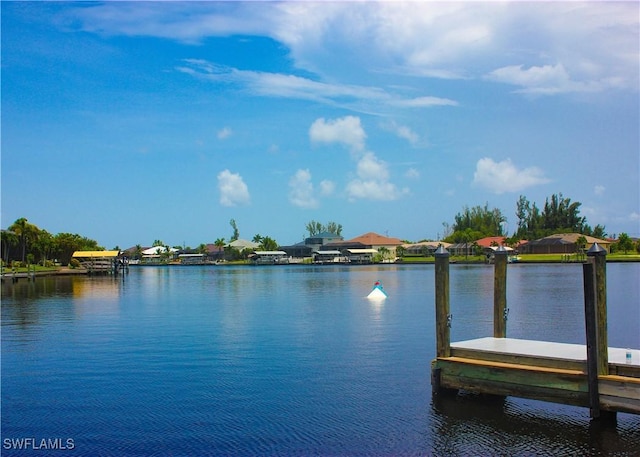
(129, 122)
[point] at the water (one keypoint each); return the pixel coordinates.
(288, 360)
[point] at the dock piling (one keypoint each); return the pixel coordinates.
(588, 274)
(599, 256)
(500, 309)
(443, 315)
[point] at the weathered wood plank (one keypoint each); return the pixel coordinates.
(619, 386)
(574, 398)
(555, 385)
(623, 405)
(518, 359)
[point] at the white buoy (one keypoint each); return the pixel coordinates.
(378, 292)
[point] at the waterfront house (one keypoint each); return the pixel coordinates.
(158, 254)
(241, 245)
(423, 248)
(311, 245)
(561, 243)
(372, 240)
(298, 251)
(316, 242)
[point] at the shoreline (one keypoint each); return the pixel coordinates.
(66, 271)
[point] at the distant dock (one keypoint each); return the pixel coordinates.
(605, 380)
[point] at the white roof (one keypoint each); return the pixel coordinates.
(156, 249)
(362, 251)
(270, 253)
(328, 252)
(243, 244)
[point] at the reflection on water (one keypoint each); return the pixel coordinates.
(289, 360)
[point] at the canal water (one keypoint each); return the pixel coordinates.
(287, 360)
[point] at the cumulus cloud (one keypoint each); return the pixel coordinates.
(327, 187)
(346, 130)
(301, 190)
(372, 181)
(224, 133)
(501, 177)
(372, 178)
(233, 190)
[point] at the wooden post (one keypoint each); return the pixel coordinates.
(599, 255)
(589, 281)
(500, 294)
(443, 318)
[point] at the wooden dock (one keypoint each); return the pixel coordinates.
(606, 380)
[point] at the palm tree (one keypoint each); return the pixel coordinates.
(268, 244)
(9, 239)
(26, 233)
(45, 244)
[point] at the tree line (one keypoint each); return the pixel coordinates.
(558, 215)
(26, 243)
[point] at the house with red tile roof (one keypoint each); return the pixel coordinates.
(491, 241)
(375, 241)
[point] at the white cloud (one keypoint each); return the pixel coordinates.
(233, 190)
(542, 80)
(402, 131)
(327, 187)
(346, 130)
(372, 168)
(301, 190)
(633, 216)
(412, 173)
(501, 177)
(224, 133)
(372, 181)
(594, 42)
(354, 97)
(599, 190)
(423, 102)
